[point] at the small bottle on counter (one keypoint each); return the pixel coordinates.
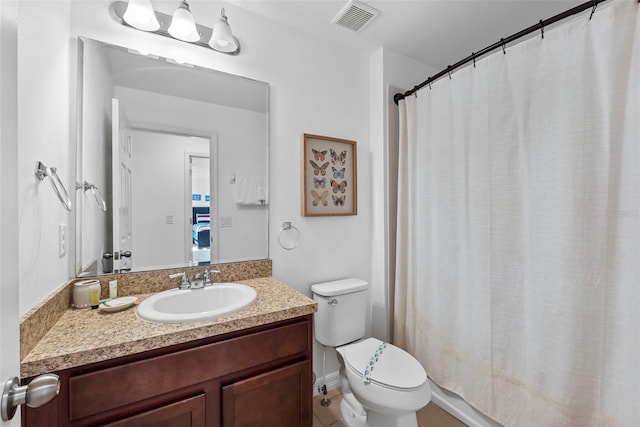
(94, 295)
(113, 289)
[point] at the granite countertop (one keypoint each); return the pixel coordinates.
(84, 336)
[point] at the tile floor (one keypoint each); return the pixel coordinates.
(329, 416)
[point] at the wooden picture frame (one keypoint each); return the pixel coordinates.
(329, 176)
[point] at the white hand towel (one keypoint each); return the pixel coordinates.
(251, 190)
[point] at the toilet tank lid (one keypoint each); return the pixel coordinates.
(339, 287)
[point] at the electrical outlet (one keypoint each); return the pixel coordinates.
(62, 240)
(225, 221)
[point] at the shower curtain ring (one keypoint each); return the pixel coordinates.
(595, 6)
(449, 71)
(542, 28)
(504, 51)
(429, 81)
(473, 56)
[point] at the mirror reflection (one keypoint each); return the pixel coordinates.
(180, 154)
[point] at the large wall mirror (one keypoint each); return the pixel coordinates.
(172, 163)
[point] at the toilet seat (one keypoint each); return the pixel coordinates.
(394, 369)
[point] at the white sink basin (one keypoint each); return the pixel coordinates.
(194, 305)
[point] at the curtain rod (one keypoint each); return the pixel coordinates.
(502, 44)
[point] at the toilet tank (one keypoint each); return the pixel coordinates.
(342, 311)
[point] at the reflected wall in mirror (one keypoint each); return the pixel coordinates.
(180, 153)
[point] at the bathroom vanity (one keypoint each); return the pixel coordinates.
(251, 368)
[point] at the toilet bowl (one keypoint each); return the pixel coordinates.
(382, 385)
(390, 389)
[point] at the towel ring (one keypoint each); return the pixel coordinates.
(43, 171)
(289, 236)
(96, 194)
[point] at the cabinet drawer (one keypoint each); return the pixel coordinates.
(186, 413)
(107, 389)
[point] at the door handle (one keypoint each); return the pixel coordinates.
(41, 390)
(116, 255)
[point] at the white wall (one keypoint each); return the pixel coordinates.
(44, 63)
(388, 69)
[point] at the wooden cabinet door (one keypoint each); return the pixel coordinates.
(185, 413)
(274, 399)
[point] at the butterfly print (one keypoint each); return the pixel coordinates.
(319, 155)
(338, 200)
(319, 169)
(338, 159)
(342, 187)
(337, 173)
(319, 183)
(319, 198)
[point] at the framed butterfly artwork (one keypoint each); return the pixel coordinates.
(329, 176)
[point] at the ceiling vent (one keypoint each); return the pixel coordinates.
(355, 16)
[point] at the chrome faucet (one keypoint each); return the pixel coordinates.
(199, 280)
(185, 280)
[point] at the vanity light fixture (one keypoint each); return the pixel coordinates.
(139, 14)
(183, 25)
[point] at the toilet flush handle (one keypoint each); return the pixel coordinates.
(333, 302)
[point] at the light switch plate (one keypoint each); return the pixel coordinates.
(62, 239)
(225, 221)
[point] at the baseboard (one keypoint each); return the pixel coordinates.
(332, 380)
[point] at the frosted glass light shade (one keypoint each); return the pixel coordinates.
(221, 37)
(183, 25)
(140, 15)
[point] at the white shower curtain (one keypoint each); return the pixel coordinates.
(518, 260)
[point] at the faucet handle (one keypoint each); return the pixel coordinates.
(207, 276)
(185, 280)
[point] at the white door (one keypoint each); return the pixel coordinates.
(9, 311)
(122, 165)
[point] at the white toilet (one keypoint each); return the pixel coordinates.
(382, 385)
